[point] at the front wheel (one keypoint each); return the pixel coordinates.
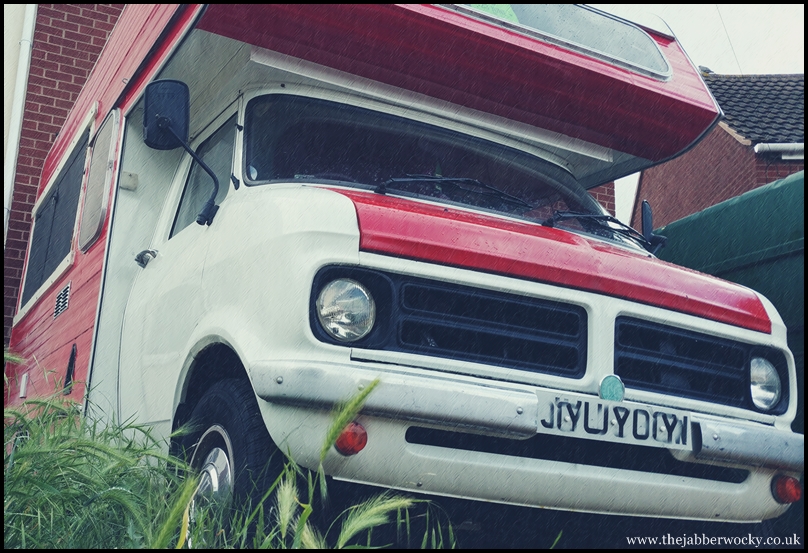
(230, 446)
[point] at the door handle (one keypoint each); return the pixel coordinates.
(144, 257)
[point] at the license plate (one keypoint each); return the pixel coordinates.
(578, 416)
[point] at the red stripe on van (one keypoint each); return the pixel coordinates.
(444, 235)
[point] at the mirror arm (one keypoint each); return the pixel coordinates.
(205, 216)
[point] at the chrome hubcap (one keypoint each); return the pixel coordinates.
(216, 478)
(216, 470)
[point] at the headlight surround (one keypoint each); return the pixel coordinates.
(764, 383)
(346, 310)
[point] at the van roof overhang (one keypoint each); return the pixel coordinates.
(446, 55)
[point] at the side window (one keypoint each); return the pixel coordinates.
(55, 221)
(217, 153)
(98, 182)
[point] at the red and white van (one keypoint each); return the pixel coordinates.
(402, 196)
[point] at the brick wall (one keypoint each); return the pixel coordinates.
(67, 41)
(717, 169)
(605, 195)
(769, 169)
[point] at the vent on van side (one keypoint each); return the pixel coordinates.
(62, 299)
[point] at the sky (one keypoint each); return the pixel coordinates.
(730, 39)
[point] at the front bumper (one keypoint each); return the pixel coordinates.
(302, 394)
(755, 447)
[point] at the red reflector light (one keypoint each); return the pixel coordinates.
(352, 439)
(786, 489)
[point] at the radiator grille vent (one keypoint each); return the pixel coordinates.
(678, 362)
(452, 321)
(487, 327)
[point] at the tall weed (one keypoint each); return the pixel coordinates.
(70, 482)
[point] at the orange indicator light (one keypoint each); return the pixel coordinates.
(786, 489)
(352, 439)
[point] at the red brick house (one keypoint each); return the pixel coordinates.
(67, 39)
(760, 139)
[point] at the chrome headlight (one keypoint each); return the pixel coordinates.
(346, 310)
(764, 383)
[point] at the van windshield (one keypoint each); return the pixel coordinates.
(299, 139)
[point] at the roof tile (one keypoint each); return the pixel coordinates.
(762, 108)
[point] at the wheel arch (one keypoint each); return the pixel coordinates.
(212, 359)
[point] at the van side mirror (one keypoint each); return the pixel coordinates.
(647, 220)
(166, 120)
(166, 109)
(656, 241)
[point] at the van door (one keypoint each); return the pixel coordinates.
(166, 301)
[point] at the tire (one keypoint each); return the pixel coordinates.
(230, 446)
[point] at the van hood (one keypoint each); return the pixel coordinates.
(450, 236)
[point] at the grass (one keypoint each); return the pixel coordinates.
(70, 482)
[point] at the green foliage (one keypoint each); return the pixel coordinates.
(9, 357)
(70, 482)
(284, 521)
(374, 512)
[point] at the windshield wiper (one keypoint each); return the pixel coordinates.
(602, 220)
(479, 187)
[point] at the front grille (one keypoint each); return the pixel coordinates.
(499, 329)
(445, 320)
(683, 363)
(578, 451)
